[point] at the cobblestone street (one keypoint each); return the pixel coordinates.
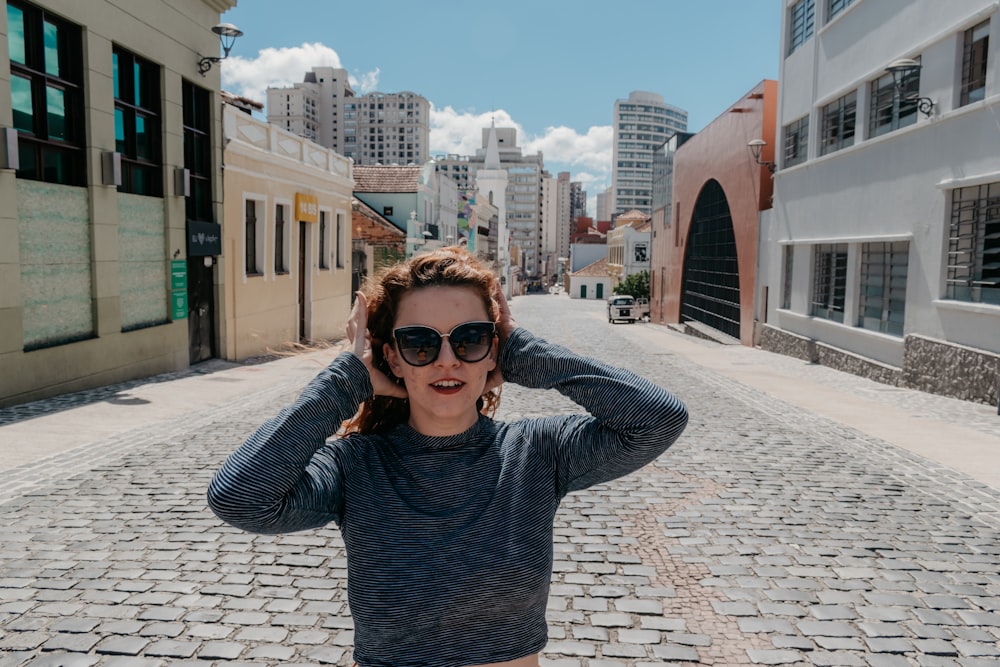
(768, 535)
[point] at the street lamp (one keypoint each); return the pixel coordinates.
(756, 146)
(227, 33)
(902, 71)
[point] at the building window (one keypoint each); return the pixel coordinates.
(829, 281)
(834, 7)
(786, 285)
(324, 241)
(974, 244)
(800, 23)
(46, 94)
(882, 301)
(253, 239)
(137, 123)
(198, 151)
(974, 52)
(796, 141)
(280, 240)
(340, 241)
(838, 124)
(890, 109)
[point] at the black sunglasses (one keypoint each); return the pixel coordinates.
(419, 345)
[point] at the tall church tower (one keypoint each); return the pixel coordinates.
(491, 182)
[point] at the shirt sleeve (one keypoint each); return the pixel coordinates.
(631, 420)
(275, 483)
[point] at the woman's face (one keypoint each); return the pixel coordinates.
(443, 393)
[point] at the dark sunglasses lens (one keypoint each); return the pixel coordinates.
(471, 341)
(418, 346)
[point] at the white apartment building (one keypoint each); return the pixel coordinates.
(523, 192)
(641, 124)
(881, 254)
(375, 128)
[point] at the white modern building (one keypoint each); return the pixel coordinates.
(523, 203)
(641, 124)
(375, 128)
(629, 246)
(881, 254)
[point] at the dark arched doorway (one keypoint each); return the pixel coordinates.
(710, 292)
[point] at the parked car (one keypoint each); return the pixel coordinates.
(622, 307)
(642, 309)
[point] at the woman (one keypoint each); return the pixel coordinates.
(446, 514)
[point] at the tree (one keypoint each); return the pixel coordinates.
(636, 285)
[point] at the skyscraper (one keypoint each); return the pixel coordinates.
(642, 123)
(375, 128)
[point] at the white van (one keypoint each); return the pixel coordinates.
(622, 307)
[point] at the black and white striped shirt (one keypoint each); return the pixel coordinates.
(449, 539)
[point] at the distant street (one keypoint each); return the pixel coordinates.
(770, 534)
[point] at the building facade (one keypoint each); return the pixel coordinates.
(375, 128)
(629, 250)
(882, 253)
(641, 124)
(287, 236)
(109, 230)
(704, 258)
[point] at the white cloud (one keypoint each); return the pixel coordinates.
(280, 68)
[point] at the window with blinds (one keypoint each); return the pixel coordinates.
(829, 281)
(882, 298)
(974, 244)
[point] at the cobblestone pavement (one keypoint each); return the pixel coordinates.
(766, 535)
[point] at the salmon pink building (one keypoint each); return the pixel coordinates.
(705, 234)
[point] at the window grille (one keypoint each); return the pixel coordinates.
(834, 7)
(324, 252)
(890, 109)
(800, 23)
(786, 287)
(280, 265)
(838, 124)
(974, 59)
(882, 298)
(796, 141)
(829, 281)
(974, 244)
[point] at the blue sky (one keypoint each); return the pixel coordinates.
(552, 68)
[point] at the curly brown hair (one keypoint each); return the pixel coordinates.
(450, 267)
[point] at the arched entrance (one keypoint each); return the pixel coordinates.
(710, 292)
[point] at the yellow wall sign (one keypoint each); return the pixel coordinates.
(306, 207)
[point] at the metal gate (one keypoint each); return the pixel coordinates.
(710, 292)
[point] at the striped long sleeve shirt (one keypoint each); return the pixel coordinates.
(448, 539)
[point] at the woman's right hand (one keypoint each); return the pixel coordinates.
(361, 340)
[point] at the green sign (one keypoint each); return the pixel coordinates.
(178, 274)
(179, 304)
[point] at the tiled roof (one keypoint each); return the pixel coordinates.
(597, 269)
(634, 214)
(386, 178)
(644, 227)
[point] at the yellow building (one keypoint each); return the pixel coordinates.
(108, 230)
(287, 238)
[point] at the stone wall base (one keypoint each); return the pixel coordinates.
(934, 366)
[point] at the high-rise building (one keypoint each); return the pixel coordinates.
(375, 128)
(577, 200)
(642, 123)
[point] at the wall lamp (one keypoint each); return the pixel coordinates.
(227, 33)
(901, 71)
(756, 146)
